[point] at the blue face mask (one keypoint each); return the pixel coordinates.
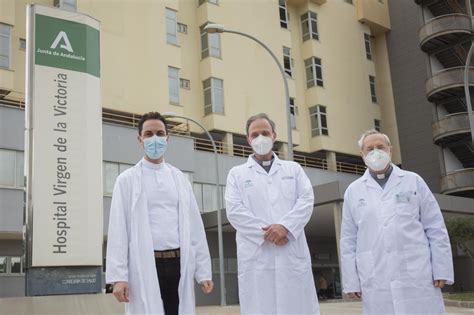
(155, 147)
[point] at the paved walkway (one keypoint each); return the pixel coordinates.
(344, 308)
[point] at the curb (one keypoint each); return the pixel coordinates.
(467, 304)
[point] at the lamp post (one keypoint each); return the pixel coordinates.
(218, 28)
(219, 206)
(467, 66)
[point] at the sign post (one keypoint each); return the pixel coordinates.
(63, 160)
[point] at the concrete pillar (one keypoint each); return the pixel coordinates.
(228, 143)
(331, 159)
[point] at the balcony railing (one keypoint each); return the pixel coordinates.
(447, 79)
(131, 120)
(458, 181)
(450, 124)
(441, 25)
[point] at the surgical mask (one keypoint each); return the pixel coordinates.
(262, 145)
(377, 160)
(155, 147)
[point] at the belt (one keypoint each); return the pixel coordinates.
(171, 253)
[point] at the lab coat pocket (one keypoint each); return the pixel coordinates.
(407, 204)
(417, 260)
(288, 188)
(365, 266)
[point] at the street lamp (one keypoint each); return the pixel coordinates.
(467, 66)
(219, 206)
(219, 28)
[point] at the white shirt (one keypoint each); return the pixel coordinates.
(162, 200)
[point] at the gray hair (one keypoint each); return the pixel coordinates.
(369, 133)
(259, 116)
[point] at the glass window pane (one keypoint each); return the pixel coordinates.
(124, 167)
(7, 168)
(4, 29)
(20, 178)
(209, 197)
(15, 264)
(110, 175)
(197, 188)
(207, 97)
(173, 85)
(3, 265)
(214, 43)
(324, 123)
(4, 45)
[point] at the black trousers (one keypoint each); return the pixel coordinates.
(168, 270)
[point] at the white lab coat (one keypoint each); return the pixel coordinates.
(130, 254)
(394, 243)
(272, 279)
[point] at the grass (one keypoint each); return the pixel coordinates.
(467, 296)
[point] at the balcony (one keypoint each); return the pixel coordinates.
(444, 31)
(374, 14)
(459, 183)
(301, 2)
(447, 83)
(452, 129)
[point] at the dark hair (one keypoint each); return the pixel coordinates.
(259, 116)
(151, 115)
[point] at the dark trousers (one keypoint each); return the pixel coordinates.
(168, 270)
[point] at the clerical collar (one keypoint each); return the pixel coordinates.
(382, 176)
(151, 165)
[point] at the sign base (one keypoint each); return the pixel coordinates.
(63, 280)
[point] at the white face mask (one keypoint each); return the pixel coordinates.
(262, 145)
(377, 160)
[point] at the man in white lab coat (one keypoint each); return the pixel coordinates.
(156, 241)
(395, 250)
(269, 201)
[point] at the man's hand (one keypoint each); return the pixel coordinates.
(282, 242)
(274, 232)
(355, 295)
(439, 283)
(120, 291)
(207, 286)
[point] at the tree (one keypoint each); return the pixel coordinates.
(461, 231)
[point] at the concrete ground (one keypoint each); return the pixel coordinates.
(105, 304)
(344, 308)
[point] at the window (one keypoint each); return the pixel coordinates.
(111, 172)
(182, 28)
(206, 196)
(210, 44)
(11, 168)
(3, 265)
(185, 84)
(287, 61)
(216, 2)
(213, 96)
(283, 13)
(11, 265)
(309, 26)
(15, 263)
(293, 112)
(319, 125)
(173, 85)
(171, 27)
(5, 36)
(22, 43)
(377, 125)
(314, 73)
(368, 46)
(373, 94)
